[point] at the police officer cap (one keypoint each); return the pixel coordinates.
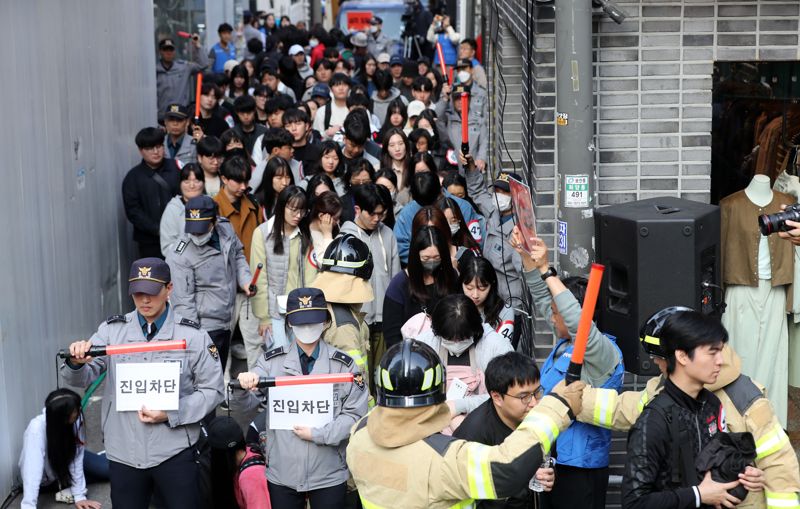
(305, 306)
(200, 211)
(166, 44)
(176, 111)
(347, 254)
(460, 89)
(225, 433)
(501, 182)
(410, 375)
(650, 333)
(463, 62)
(148, 275)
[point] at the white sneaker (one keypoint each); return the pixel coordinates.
(65, 496)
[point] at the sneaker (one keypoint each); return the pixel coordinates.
(224, 405)
(65, 496)
(238, 351)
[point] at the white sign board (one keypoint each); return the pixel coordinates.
(576, 191)
(155, 385)
(300, 405)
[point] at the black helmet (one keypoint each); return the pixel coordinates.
(348, 255)
(650, 333)
(410, 375)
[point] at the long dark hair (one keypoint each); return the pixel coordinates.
(325, 148)
(456, 318)
(444, 276)
(387, 161)
(241, 72)
(480, 270)
(62, 433)
(462, 237)
(396, 106)
(265, 194)
(294, 197)
(314, 182)
(326, 203)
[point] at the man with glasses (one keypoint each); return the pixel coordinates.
(512, 381)
(146, 190)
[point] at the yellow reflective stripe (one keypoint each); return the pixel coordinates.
(652, 340)
(387, 383)
(427, 380)
(643, 401)
(777, 499)
(771, 442)
(478, 474)
(604, 406)
(545, 429)
(369, 505)
(464, 504)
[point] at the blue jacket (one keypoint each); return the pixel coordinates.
(581, 445)
(402, 225)
(449, 50)
(221, 56)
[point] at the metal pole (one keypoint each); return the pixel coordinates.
(574, 136)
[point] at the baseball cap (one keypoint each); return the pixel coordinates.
(166, 43)
(229, 65)
(375, 21)
(225, 433)
(199, 212)
(296, 49)
(464, 62)
(384, 58)
(148, 275)
(321, 90)
(359, 40)
(501, 182)
(177, 111)
(305, 306)
(415, 108)
(396, 60)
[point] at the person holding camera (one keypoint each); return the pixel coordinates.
(442, 31)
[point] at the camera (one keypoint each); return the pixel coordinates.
(771, 223)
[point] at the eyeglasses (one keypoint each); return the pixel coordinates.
(295, 212)
(195, 182)
(526, 397)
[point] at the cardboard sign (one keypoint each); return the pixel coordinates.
(523, 208)
(155, 385)
(300, 405)
(358, 20)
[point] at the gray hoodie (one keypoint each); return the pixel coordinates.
(381, 106)
(386, 263)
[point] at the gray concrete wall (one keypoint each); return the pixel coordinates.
(77, 84)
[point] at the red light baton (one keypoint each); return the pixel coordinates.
(252, 286)
(585, 325)
(197, 94)
(185, 35)
(156, 346)
(465, 123)
(441, 62)
(283, 381)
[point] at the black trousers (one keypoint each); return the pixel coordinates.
(222, 340)
(282, 497)
(577, 487)
(176, 481)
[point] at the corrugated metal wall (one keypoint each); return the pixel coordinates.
(78, 82)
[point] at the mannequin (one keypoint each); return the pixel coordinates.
(790, 184)
(756, 272)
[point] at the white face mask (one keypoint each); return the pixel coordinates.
(456, 348)
(454, 228)
(503, 202)
(313, 43)
(373, 29)
(463, 76)
(307, 334)
(201, 240)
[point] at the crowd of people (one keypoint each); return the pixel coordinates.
(319, 206)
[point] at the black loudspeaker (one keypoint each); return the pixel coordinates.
(657, 252)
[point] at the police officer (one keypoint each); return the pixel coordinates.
(746, 409)
(399, 458)
(152, 450)
(344, 275)
(207, 266)
(307, 462)
(174, 77)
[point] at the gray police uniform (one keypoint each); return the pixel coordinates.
(173, 85)
(128, 440)
(478, 123)
(293, 462)
(187, 151)
(205, 280)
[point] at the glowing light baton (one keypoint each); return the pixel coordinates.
(252, 286)
(440, 54)
(465, 123)
(585, 325)
(155, 346)
(198, 92)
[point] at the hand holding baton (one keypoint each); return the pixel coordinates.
(156, 346)
(283, 381)
(252, 286)
(585, 325)
(464, 123)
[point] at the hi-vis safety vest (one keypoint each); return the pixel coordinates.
(746, 409)
(441, 472)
